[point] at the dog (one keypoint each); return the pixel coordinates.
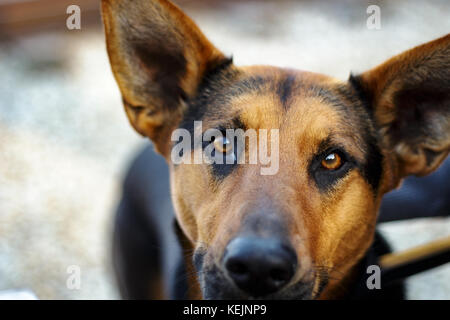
(305, 232)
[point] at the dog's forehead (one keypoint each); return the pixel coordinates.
(302, 103)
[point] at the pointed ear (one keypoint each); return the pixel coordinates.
(409, 96)
(158, 57)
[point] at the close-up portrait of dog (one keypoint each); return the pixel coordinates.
(224, 150)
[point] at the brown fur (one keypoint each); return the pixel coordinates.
(330, 231)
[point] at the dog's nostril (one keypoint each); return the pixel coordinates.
(237, 267)
(279, 274)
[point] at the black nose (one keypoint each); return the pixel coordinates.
(259, 266)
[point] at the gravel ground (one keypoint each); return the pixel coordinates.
(65, 141)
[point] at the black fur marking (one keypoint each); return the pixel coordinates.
(365, 96)
(360, 100)
(330, 98)
(284, 89)
(373, 168)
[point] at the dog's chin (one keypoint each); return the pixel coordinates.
(216, 286)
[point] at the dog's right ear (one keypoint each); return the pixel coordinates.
(409, 97)
(159, 57)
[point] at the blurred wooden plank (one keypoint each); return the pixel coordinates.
(21, 17)
(400, 265)
(26, 16)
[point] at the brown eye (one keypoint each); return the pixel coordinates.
(332, 161)
(223, 145)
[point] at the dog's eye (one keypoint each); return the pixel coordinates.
(223, 145)
(332, 161)
(329, 166)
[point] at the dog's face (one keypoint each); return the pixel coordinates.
(337, 147)
(320, 204)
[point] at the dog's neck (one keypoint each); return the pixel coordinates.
(354, 284)
(193, 291)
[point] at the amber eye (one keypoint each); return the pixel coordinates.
(332, 161)
(223, 145)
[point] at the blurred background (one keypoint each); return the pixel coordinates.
(65, 143)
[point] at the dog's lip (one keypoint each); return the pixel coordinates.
(304, 291)
(281, 295)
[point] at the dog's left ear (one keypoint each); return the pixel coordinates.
(409, 96)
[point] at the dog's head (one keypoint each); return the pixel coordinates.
(292, 224)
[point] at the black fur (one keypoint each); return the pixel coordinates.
(284, 89)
